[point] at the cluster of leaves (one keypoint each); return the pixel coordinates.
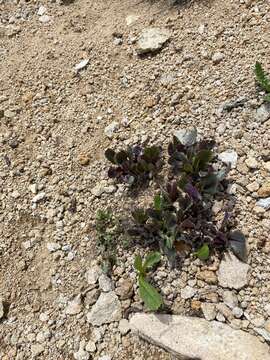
(180, 219)
(110, 232)
(134, 165)
(148, 292)
(263, 80)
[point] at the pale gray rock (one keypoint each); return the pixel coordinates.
(229, 157)
(263, 113)
(105, 283)
(186, 137)
(1, 309)
(264, 333)
(232, 273)
(188, 292)
(52, 247)
(230, 299)
(92, 275)
(209, 311)
(217, 57)
(196, 338)
(81, 65)
(107, 309)
(111, 129)
(151, 40)
(37, 349)
(81, 355)
(264, 203)
(75, 306)
(44, 19)
(124, 326)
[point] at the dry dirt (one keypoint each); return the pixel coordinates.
(53, 118)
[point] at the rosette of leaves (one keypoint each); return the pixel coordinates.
(263, 80)
(180, 221)
(195, 164)
(136, 164)
(148, 292)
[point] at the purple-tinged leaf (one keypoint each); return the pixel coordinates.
(192, 192)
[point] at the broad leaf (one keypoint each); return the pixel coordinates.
(140, 216)
(110, 155)
(138, 264)
(151, 259)
(202, 159)
(149, 295)
(121, 157)
(203, 252)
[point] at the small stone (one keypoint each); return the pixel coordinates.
(267, 309)
(44, 19)
(263, 113)
(267, 326)
(264, 333)
(75, 306)
(237, 312)
(124, 326)
(187, 293)
(220, 317)
(37, 349)
(266, 165)
(251, 163)
(43, 317)
(84, 159)
(258, 321)
(232, 272)
(81, 65)
(209, 311)
(98, 190)
(41, 10)
(52, 247)
(125, 289)
(175, 99)
(229, 157)
(93, 274)
(252, 187)
(91, 297)
(40, 196)
(90, 347)
(187, 137)
(151, 40)
(1, 309)
(33, 188)
(81, 355)
(131, 19)
(230, 299)
(105, 283)
(225, 311)
(208, 276)
(264, 203)
(217, 57)
(111, 129)
(195, 305)
(105, 357)
(107, 309)
(264, 190)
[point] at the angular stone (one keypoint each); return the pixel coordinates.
(232, 273)
(81, 65)
(152, 39)
(209, 311)
(196, 338)
(188, 292)
(93, 274)
(111, 129)
(264, 203)
(125, 289)
(264, 190)
(1, 309)
(230, 299)
(75, 306)
(263, 113)
(187, 137)
(106, 310)
(229, 157)
(105, 283)
(208, 276)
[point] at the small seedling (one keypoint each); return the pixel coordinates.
(262, 79)
(136, 164)
(148, 293)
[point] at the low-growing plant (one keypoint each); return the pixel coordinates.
(262, 79)
(109, 234)
(148, 292)
(136, 164)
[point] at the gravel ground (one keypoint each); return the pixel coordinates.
(53, 133)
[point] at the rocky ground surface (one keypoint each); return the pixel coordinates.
(77, 77)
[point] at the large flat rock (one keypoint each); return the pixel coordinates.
(198, 339)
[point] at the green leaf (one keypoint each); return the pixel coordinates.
(140, 216)
(149, 295)
(151, 259)
(110, 155)
(121, 157)
(151, 154)
(158, 202)
(261, 77)
(203, 252)
(138, 264)
(202, 159)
